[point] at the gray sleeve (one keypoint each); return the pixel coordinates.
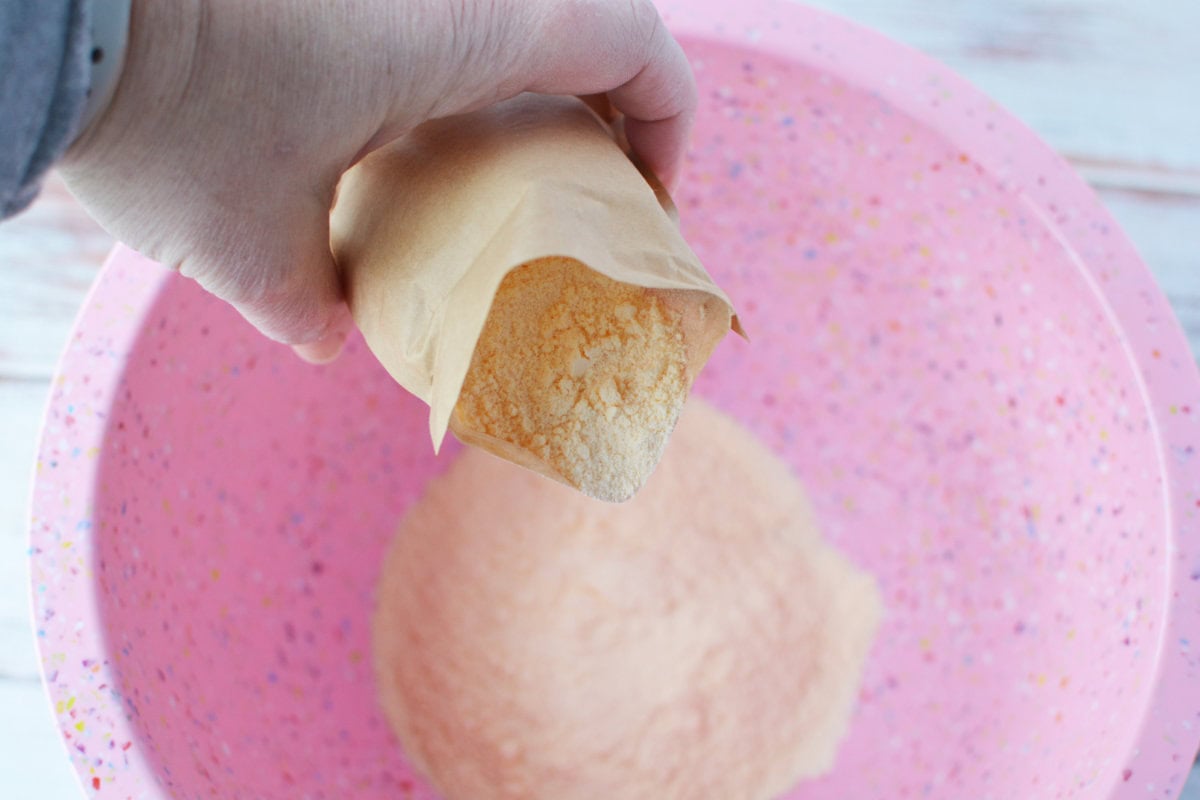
(44, 72)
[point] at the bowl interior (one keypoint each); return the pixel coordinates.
(925, 352)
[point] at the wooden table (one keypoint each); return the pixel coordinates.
(1107, 82)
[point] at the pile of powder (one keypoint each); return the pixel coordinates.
(700, 641)
(577, 376)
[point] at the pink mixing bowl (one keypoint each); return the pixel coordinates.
(953, 345)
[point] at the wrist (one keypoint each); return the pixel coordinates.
(144, 89)
(109, 29)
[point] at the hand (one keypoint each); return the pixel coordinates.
(234, 119)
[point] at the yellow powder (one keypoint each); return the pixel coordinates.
(585, 376)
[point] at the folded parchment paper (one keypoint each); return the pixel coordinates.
(426, 228)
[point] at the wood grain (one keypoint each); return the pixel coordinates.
(48, 258)
(1101, 80)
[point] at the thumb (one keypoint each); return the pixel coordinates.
(282, 278)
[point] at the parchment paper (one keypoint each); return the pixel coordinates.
(425, 229)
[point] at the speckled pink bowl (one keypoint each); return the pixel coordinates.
(952, 343)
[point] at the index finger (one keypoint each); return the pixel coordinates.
(623, 49)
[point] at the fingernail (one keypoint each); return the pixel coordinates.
(324, 350)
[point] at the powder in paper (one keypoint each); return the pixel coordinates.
(582, 373)
(700, 641)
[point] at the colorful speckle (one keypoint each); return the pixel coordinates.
(930, 352)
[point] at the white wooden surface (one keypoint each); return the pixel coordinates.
(1110, 83)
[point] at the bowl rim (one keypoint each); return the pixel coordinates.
(79, 684)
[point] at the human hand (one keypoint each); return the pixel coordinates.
(233, 121)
